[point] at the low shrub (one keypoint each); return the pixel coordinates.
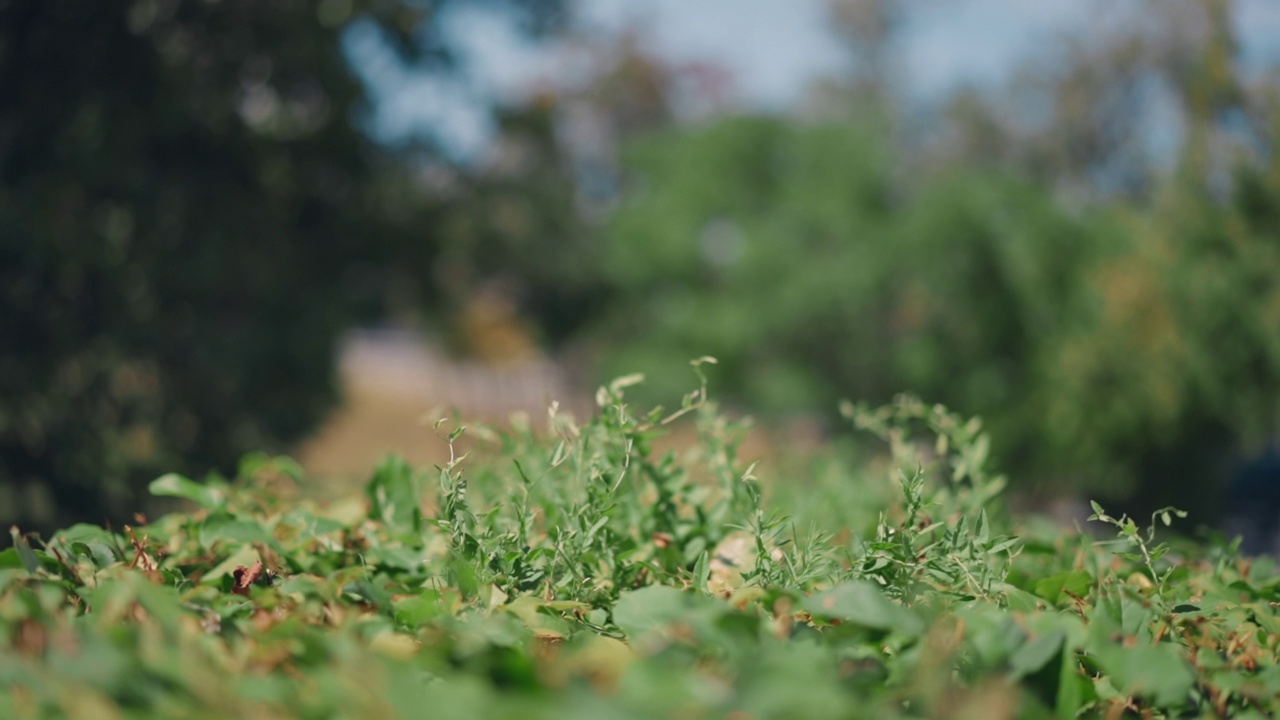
(577, 571)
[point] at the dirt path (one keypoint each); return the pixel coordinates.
(396, 385)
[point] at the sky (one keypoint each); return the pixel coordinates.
(774, 50)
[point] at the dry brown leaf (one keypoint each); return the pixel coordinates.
(142, 560)
(245, 577)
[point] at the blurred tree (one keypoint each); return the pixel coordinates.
(1165, 362)
(515, 236)
(521, 240)
(870, 27)
(187, 220)
(1114, 324)
(788, 252)
(1186, 310)
(1103, 115)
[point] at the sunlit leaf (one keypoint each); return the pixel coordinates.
(174, 485)
(1055, 588)
(394, 492)
(863, 604)
(1155, 671)
(30, 561)
(1036, 653)
(651, 608)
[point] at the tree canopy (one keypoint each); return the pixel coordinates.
(189, 218)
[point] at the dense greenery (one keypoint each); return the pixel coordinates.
(189, 218)
(788, 252)
(1108, 345)
(576, 571)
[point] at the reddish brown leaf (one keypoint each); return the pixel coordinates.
(244, 577)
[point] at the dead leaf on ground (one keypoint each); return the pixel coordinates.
(245, 577)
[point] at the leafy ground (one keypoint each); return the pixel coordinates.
(574, 572)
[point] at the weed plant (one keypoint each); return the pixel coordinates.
(574, 571)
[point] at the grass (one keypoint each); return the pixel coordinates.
(576, 570)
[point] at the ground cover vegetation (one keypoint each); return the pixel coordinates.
(572, 571)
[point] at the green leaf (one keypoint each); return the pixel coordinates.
(648, 609)
(395, 492)
(26, 555)
(9, 559)
(1155, 671)
(245, 556)
(862, 603)
(702, 571)
(1003, 545)
(1051, 588)
(254, 463)
(83, 532)
(1021, 600)
(396, 556)
(175, 485)
(226, 527)
(102, 555)
(417, 611)
(1036, 653)
(1074, 688)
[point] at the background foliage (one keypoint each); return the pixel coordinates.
(1108, 310)
(189, 219)
(1103, 344)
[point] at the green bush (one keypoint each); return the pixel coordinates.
(574, 571)
(1172, 363)
(1106, 347)
(787, 252)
